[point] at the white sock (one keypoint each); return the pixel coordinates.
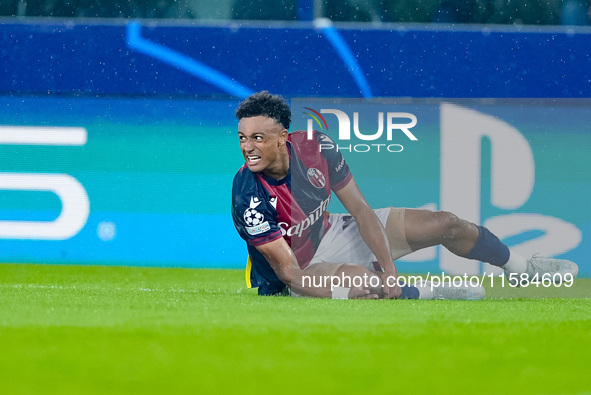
(516, 263)
(425, 291)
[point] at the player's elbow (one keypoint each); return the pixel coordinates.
(285, 276)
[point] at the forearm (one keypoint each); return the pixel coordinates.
(375, 237)
(306, 285)
(370, 227)
(322, 286)
(302, 284)
(286, 267)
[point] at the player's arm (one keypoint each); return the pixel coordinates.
(371, 230)
(286, 267)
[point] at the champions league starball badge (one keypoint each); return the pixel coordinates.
(253, 217)
(255, 221)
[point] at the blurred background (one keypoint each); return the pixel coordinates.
(118, 138)
(551, 12)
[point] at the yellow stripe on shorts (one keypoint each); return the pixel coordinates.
(247, 273)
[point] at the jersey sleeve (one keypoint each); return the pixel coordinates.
(254, 216)
(338, 170)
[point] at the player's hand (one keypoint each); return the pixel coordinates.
(393, 291)
(361, 293)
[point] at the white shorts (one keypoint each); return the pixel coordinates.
(343, 242)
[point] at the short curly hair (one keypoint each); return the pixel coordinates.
(264, 103)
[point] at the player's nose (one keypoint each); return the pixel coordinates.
(248, 145)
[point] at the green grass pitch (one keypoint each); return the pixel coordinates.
(86, 330)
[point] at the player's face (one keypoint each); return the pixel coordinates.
(262, 142)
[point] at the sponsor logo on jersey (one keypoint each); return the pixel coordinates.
(340, 166)
(310, 220)
(316, 178)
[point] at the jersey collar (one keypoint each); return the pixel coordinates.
(271, 180)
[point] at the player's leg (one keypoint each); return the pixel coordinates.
(424, 228)
(343, 256)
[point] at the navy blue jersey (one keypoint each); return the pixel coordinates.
(265, 209)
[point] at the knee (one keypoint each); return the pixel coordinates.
(452, 227)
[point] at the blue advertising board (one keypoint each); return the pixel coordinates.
(146, 181)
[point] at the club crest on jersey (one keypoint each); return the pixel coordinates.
(316, 178)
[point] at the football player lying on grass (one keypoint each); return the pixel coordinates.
(279, 207)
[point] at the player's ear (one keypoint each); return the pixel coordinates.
(283, 137)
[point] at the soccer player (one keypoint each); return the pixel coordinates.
(279, 207)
